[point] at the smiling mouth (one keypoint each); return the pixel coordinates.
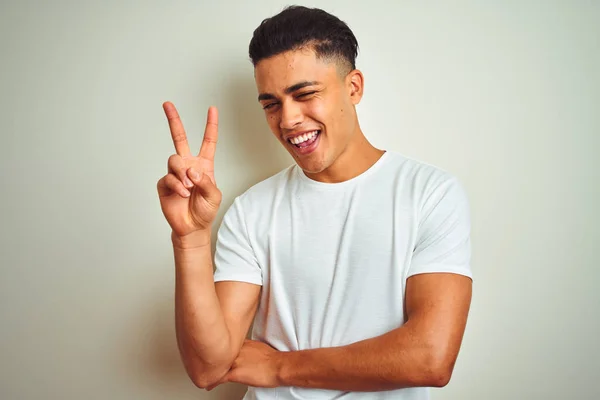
(305, 140)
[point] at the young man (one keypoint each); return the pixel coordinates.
(353, 263)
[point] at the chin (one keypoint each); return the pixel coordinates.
(314, 163)
(313, 166)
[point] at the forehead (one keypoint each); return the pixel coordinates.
(276, 73)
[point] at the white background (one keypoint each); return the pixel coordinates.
(505, 95)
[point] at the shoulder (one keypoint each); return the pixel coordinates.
(262, 193)
(420, 174)
(256, 203)
(417, 170)
(422, 181)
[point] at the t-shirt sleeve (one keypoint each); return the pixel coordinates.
(234, 258)
(443, 239)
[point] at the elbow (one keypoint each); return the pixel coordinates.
(205, 378)
(440, 378)
(205, 374)
(439, 370)
(434, 368)
(202, 382)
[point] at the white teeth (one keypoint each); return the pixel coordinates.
(303, 138)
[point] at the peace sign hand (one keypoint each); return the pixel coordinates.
(189, 197)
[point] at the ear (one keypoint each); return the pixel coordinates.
(355, 82)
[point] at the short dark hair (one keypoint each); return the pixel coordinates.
(296, 27)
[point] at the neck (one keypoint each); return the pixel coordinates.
(356, 158)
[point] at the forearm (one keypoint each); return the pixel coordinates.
(202, 334)
(398, 359)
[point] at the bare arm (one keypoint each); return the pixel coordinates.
(239, 301)
(210, 322)
(211, 319)
(420, 353)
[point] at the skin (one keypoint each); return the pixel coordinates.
(422, 352)
(212, 320)
(329, 104)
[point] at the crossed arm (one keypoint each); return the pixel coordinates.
(422, 352)
(213, 319)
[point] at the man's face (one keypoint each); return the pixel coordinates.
(309, 106)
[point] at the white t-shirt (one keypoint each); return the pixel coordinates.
(333, 258)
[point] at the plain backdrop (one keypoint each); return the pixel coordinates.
(505, 95)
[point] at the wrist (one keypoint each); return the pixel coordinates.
(194, 240)
(283, 367)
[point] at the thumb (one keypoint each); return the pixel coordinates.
(208, 190)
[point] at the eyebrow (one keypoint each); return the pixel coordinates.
(288, 90)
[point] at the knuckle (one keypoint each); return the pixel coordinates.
(176, 166)
(171, 180)
(179, 137)
(174, 159)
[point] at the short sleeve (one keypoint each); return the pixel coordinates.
(234, 258)
(443, 239)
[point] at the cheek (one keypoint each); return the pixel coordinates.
(272, 120)
(331, 113)
(318, 111)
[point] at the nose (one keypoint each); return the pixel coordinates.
(291, 115)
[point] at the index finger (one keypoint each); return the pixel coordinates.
(211, 134)
(177, 132)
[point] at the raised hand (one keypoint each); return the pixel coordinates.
(189, 197)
